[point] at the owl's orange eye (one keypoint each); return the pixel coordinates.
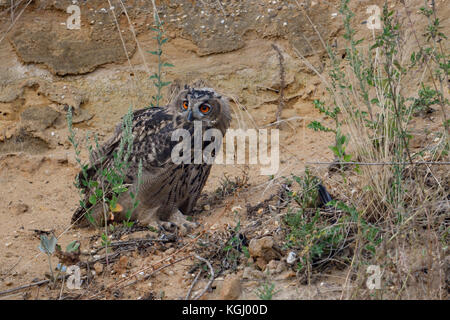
(204, 108)
(185, 105)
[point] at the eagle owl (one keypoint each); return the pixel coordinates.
(167, 190)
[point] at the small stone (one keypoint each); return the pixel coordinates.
(231, 288)
(8, 134)
(263, 248)
(261, 263)
(121, 265)
(252, 274)
(98, 267)
(207, 207)
(286, 275)
(275, 267)
(292, 256)
(39, 118)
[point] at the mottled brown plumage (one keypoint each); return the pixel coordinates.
(168, 190)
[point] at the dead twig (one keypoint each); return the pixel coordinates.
(62, 288)
(193, 284)
(211, 277)
(26, 286)
(442, 163)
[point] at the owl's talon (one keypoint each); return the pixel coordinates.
(167, 225)
(179, 221)
(190, 225)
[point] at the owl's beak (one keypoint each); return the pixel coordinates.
(190, 115)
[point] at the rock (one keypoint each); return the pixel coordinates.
(121, 266)
(258, 247)
(9, 283)
(9, 133)
(261, 263)
(39, 118)
(231, 288)
(275, 267)
(286, 275)
(292, 256)
(64, 53)
(262, 249)
(252, 274)
(98, 267)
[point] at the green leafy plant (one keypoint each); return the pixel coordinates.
(107, 183)
(308, 231)
(235, 247)
(375, 94)
(308, 194)
(427, 98)
(73, 246)
(266, 291)
(157, 76)
(340, 139)
(106, 242)
(48, 246)
(112, 178)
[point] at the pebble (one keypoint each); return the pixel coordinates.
(98, 267)
(292, 256)
(231, 288)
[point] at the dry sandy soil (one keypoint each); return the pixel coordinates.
(45, 67)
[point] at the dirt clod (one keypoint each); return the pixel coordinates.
(231, 288)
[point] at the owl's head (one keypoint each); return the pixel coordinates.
(202, 104)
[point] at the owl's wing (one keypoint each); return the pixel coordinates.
(152, 128)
